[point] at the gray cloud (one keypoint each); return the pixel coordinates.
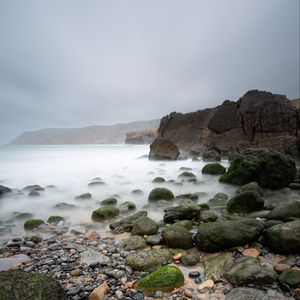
(76, 63)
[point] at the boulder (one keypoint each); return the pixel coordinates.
(284, 238)
(290, 277)
(211, 155)
(269, 168)
(285, 212)
(191, 196)
(213, 169)
(144, 260)
(245, 202)
(26, 286)
(22, 216)
(163, 149)
(251, 187)
(208, 216)
(247, 293)
(220, 199)
(159, 180)
(126, 224)
(247, 270)
(216, 236)
(109, 201)
(182, 212)
(32, 224)
(34, 187)
(4, 190)
(55, 220)
(176, 236)
(164, 279)
(190, 259)
(65, 206)
(105, 213)
(85, 196)
(160, 194)
(135, 242)
(144, 226)
(127, 206)
(187, 224)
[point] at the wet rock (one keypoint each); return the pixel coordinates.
(137, 192)
(144, 226)
(247, 293)
(290, 277)
(284, 238)
(55, 220)
(126, 224)
(143, 260)
(164, 279)
(285, 212)
(177, 237)
(211, 155)
(208, 216)
(158, 180)
(99, 293)
(279, 268)
(191, 196)
(153, 240)
(187, 175)
(182, 212)
(247, 270)
(251, 187)
(32, 224)
(34, 194)
(34, 187)
(185, 223)
(209, 283)
(220, 199)
(22, 285)
(213, 169)
(245, 202)
(96, 183)
(85, 196)
(163, 149)
(109, 201)
(215, 236)
(135, 242)
(190, 259)
(269, 168)
(104, 213)
(160, 194)
(271, 223)
(127, 206)
(22, 216)
(65, 206)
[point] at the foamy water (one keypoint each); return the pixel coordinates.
(71, 168)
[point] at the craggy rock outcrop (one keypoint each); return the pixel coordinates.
(163, 149)
(141, 137)
(257, 119)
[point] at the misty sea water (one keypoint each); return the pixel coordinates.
(64, 171)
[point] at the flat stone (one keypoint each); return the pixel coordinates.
(206, 284)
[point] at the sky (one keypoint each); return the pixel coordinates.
(73, 63)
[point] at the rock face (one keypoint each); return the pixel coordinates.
(269, 168)
(141, 137)
(257, 119)
(163, 149)
(216, 236)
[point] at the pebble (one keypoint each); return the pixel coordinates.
(194, 274)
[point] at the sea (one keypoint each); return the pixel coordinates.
(65, 171)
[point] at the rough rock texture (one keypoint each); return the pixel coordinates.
(245, 202)
(160, 194)
(284, 238)
(247, 294)
(105, 213)
(163, 149)
(135, 242)
(140, 137)
(285, 212)
(182, 212)
(176, 236)
(257, 119)
(269, 168)
(216, 236)
(21, 285)
(144, 226)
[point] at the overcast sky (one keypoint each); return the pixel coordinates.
(78, 63)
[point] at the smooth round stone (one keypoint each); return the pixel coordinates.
(198, 280)
(138, 296)
(194, 274)
(74, 291)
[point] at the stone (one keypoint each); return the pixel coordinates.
(92, 235)
(208, 216)
(285, 212)
(248, 270)
(158, 180)
(99, 293)
(252, 252)
(135, 242)
(85, 196)
(284, 238)
(213, 169)
(269, 168)
(251, 187)
(216, 236)
(182, 212)
(109, 201)
(32, 224)
(4, 190)
(23, 216)
(190, 259)
(163, 149)
(127, 206)
(144, 226)
(209, 283)
(143, 260)
(245, 202)
(126, 224)
(25, 286)
(220, 199)
(211, 155)
(153, 240)
(105, 213)
(160, 194)
(279, 268)
(164, 279)
(177, 237)
(247, 294)
(141, 137)
(65, 206)
(187, 224)
(55, 220)
(34, 194)
(290, 277)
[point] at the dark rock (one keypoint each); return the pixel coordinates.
(160, 194)
(153, 240)
(251, 187)
(192, 196)
(285, 212)
(182, 212)
(208, 216)
(211, 155)
(220, 199)
(187, 224)
(32, 224)
(85, 196)
(35, 187)
(127, 206)
(105, 213)
(158, 180)
(65, 206)
(109, 201)
(144, 226)
(163, 149)
(213, 169)
(55, 219)
(284, 238)
(22, 216)
(269, 168)
(290, 277)
(34, 194)
(194, 274)
(126, 224)
(247, 294)
(135, 242)
(245, 202)
(190, 259)
(177, 237)
(215, 236)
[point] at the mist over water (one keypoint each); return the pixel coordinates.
(71, 168)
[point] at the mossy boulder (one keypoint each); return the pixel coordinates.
(208, 216)
(160, 194)
(32, 224)
(176, 236)
(284, 238)
(164, 279)
(105, 213)
(221, 235)
(251, 187)
(144, 226)
(285, 212)
(109, 201)
(220, 199)
(190, 259)
(269, 168)
(182, 212)
(187, 224)
(25, 286)
(187, 176)
(213, 169)
(290, 277)
(245, 202)
(158, 180)
(127, 206)
(55, 220)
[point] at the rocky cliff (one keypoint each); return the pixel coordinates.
(141, 137)
(257, 119)
(113, 134)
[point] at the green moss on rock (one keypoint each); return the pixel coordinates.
(55, 219)
(105, 213)
(164, 279)
(160, 194)
(32, 224)
(245, 202)
(213, 169)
